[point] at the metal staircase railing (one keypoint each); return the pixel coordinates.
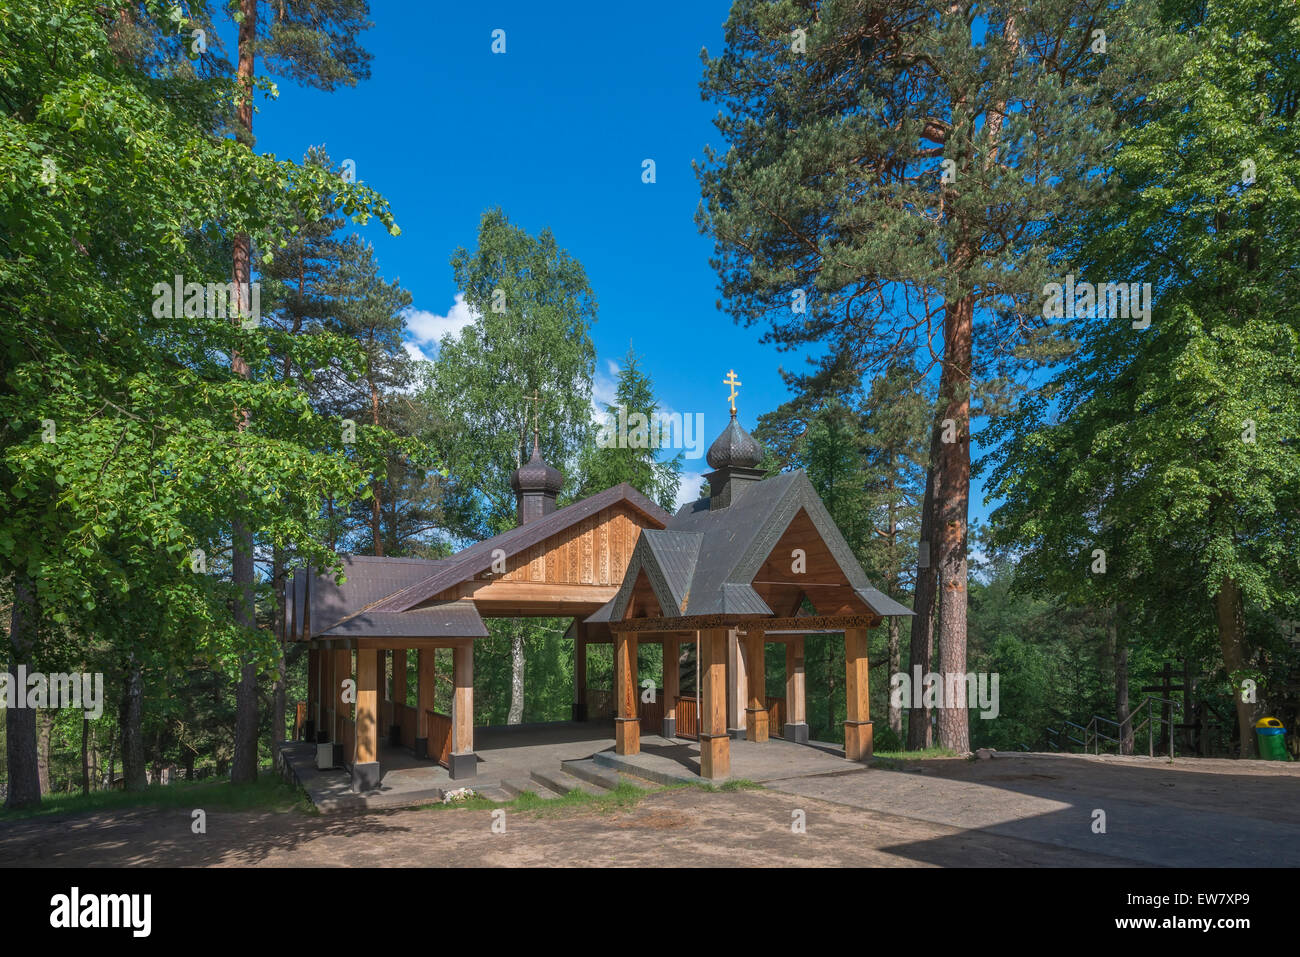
(1089, 737)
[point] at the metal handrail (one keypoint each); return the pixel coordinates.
(1093, 736)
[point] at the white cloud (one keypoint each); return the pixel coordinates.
(689, 489)
(425, 330)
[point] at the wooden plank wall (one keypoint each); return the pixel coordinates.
(596, 551)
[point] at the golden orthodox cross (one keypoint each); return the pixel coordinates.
(732, 381)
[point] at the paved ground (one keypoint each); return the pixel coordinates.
(1015, 811)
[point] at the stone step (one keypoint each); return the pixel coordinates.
(562, 782)
(517, 786)
(589, 771)
(492, 793)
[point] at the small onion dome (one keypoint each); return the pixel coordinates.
(735, 447)
(536, 476)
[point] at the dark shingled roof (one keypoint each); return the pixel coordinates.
(451, 619)
(369, 579)
(467, 563)
(724, 549)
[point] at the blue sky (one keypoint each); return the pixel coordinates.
(554, 131)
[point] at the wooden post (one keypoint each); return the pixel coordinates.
(756, 711)
(424, 688)
(715, 745)
(326, 727)
(627, 726)
(737, 684)
(365, 767)
(313, 693)
(399, 677)
(857, 723)
(579, 670)
(796, 706)
(672, 685)
(464, 763)
(342, 671)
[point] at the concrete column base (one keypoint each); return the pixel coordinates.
(579, 711)
(421, 747)
(797, 732)
(309, 730)
(365, 776)
(670, 728)
(462, 765)
(737, 734)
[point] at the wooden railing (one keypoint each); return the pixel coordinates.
(688, 718)
(776, 717)
(600, 704)
(651, 714)
(440, 737)
(348, 738)
(406, 716)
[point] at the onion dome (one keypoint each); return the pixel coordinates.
(536, 485)
(735, 448)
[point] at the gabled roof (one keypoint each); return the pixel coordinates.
(465, 564)
(369, 579)
(704, 561)
(451, 619)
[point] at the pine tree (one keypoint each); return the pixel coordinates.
(889, 172)
(631, 457)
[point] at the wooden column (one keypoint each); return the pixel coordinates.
(756, 710)
(796, 706)
(399, 677)
(365, 766)
(425, 673)
(672, 684)
(579, 670)
(326, 726)
(857, 723)
(627, 726)
(737, 683)
(313, 691)
(342, 671)
(464, 763)
(715, 746)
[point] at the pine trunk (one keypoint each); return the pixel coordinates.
(20, 723)
(952, 497)
(1119, 650)
(922, 643)
(85, 755)
(244, 765)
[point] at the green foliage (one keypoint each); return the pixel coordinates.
(634, 462)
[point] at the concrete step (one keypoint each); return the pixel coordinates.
(589, 771)
(562, 782)
(517, 786)
(492, 793)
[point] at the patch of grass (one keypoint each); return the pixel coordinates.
(624, 796)
(269, 792)
(923, 755)
(735, 784)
